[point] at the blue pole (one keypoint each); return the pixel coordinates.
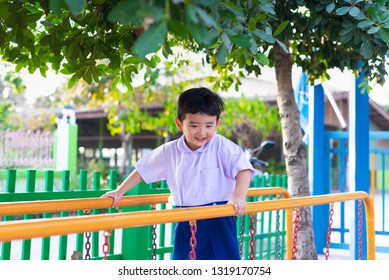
(359, 179)
(317, 169)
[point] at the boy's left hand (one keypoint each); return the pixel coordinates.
(239, 204)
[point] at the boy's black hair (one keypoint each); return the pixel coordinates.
(199, 100)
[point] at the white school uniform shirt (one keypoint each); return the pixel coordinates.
(198, 177)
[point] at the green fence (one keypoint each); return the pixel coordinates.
(140, 243)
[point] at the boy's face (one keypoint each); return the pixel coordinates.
(198, 129)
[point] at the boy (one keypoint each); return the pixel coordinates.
(200, 168)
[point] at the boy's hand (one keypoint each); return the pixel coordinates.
(115, 194)
(239, 203)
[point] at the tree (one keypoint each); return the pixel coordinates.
(90, 39)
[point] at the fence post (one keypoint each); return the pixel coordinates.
(137, 240)
(30, 188)
(63, 240)
(49, 185)
(9, 188)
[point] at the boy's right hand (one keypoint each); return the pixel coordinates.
(115, 194)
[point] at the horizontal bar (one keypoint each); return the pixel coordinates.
(61, 226)
(35, 207)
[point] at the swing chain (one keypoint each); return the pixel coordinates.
(88, 237)
(193, 240)
(295, 232)
(278, 235)
(359, 229)
(154, 236)
(253, 221)
(241, 235)
(329, 231)
(106, 246)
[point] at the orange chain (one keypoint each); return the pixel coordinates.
(330, 221)
(359, 229)
(295, 232)
(193, 240)
(106, 246)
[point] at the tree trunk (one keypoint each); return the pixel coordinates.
(294, 151)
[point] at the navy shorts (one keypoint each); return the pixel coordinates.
(216, 239)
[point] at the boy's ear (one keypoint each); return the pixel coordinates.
(178, 123)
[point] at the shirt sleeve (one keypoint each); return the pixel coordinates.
(152, 167)
(235, 159)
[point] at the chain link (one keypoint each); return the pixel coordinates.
(154, 237)
(359, 229)
(106, 246)
(87, 237)
(193, 240)
(242, 223)
(295, 233)
(329, 231)
(253, 221)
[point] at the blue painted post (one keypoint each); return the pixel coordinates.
(317, 169)
(359, 179)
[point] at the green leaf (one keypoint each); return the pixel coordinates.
(365, 23)
(264, 36)
(373, 30)
(199, 32)
(384, 35)
(262, 59)
(342, 11)
(151, 40)
(75, 6)
(206, 3)
(330, 7)
(281, 27)
(354, 11)
(191, 14)
(241, 40)
(212, 37)
(221, 54)
(283, 46)
(367, 49)
(210, 21)
(226, 41)
(124, 12)
(56, 6)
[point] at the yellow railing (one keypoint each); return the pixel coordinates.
(47, 206)
(67, 225)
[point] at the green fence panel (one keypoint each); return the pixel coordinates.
(139, 243)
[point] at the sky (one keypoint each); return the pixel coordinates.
(38, 85)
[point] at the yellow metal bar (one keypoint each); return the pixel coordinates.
(61, 226)
(372, 177)
(47, 206)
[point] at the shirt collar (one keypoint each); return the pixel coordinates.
(183, 147)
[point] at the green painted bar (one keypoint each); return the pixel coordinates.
(10, 188)
(49, 187)
(30, 188)
(83, 183)
(63, 239)
(95, 235)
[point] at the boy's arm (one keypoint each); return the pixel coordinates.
(238, 199)
(131, 181)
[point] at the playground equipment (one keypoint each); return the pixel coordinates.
(107, 222)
